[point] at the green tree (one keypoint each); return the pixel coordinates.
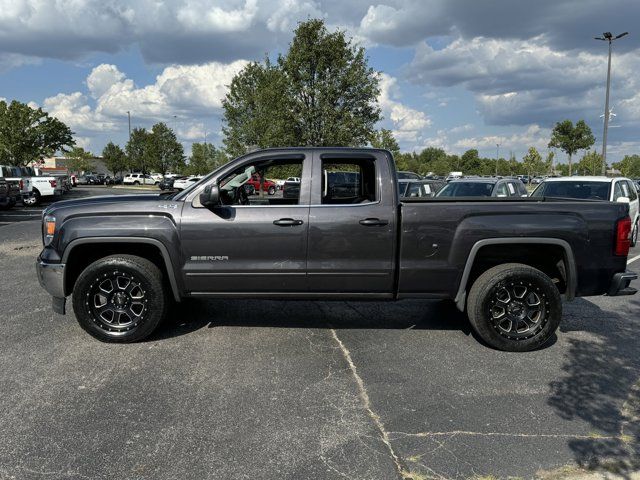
(589, 164)
(28, 134)
(136, 148)
(79, 160)
(549, 162)
(532, 162)
(571, 138)
(163, 153)
(205, 158)
(114, 158)
(629, 166)
(384, 138)
(470, 162)
(320, 93)
(256, 111)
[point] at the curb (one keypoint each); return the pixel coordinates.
(152, 188)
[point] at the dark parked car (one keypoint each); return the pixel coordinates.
(419, 188)
(7, 200)
(167, 183)
(407, 176)
(125, 259)
(484, 187)
(89, 180)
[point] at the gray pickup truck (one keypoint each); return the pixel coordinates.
(343, 234)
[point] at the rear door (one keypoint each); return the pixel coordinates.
(352, 224)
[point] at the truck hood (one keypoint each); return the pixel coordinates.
(113, 204)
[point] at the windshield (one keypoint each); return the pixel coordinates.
(402, 188)
(574, 189)
(466, 189)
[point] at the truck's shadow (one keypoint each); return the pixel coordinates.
(193, 315)
(601, 385)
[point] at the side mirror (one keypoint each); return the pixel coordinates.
(623, 199)
(210, 196)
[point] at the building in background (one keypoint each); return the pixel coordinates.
(59, 165)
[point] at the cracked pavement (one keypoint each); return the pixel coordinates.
(271, 389)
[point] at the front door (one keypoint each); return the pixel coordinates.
(352, 225)
(256, 242)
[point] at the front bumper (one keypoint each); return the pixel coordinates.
(620, 284)
(51, 278)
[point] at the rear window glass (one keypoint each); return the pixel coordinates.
(577, 189)
(466, 189)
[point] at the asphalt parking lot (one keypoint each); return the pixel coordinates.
(270, 389)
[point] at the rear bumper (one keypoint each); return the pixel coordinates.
(51, 278)
(620, 284)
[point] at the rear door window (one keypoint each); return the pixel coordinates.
(348, 181)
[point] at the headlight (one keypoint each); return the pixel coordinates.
(48, 228)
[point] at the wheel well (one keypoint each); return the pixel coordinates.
(83, 255)
(549, 259)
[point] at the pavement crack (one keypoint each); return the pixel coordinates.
(504, 434)
(364, 397)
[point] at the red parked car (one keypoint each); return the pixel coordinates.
(267, 185)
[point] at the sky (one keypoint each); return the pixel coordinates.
(456, 74)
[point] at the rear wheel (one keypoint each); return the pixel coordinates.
(136, 183)
(634, 235)
(514, 307)
(120, 298)
(33, 200)
(272, 190)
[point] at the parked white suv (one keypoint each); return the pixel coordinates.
(617, 189)
(139, 179)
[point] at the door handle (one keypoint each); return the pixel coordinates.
(287, 222)
(373, 222)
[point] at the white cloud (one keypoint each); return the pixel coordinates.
(186, 92)
(408, 123)
(102, 78)
(288, 12)
(199, 15)
(74, 110)
(533, 136)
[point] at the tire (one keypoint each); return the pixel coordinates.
(136, 183)
(120, 299)
(272, 190)
(29, 201)
(634, 235)
(510, 291)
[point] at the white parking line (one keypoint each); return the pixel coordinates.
(633, 259)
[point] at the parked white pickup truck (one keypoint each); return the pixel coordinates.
(32, 187)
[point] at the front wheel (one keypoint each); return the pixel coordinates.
(514, 307)
(272, 190)
(120, 298)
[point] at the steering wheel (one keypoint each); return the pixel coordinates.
(241, 197)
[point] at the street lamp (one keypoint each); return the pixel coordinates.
(497, 156)
(607, 37)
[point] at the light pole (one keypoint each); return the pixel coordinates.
(129, 117)
(497, 156)
(607, 37)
